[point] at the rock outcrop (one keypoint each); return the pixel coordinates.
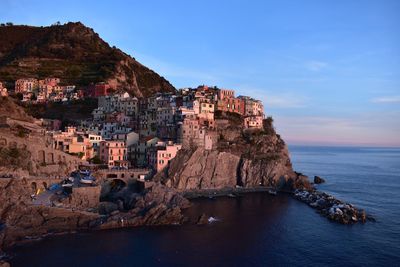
(157, 205)
(318, 180)
(245, 158)
(332, 208)
(20, 220)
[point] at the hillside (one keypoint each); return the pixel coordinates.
(9, 107)
(74, 53)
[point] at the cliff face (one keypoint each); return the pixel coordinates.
(25, 150)
(246, 158)
(74, 53)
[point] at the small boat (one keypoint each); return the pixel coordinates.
(84, 172)
(272, 192)
(67, 183)
(212, 219)
(87, 180)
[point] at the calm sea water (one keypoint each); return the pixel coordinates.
(258, 229)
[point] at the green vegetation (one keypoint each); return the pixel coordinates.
(21, 132)
(268, 126)
(13, 156)
(234, 118)
(72, 52)
(66, 112)
(96, 160)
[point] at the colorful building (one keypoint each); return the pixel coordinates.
(113, 153)
(26, 85)
(162, 154)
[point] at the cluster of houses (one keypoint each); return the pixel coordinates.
(47, 90)
(126, 131)
(52, 90)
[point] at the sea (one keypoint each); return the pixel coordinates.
(258, 229)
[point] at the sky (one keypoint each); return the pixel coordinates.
(328, 71)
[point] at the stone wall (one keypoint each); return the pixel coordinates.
(85, 197)
(125, 175)
(44, 159)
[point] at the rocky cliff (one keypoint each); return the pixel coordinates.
(20, 220)
(74, 53)
(24, 148)
(240, 158)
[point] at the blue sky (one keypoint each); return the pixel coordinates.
(327, 71)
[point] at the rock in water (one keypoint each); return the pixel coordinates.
(318, 180)
(332, 208)
(203, 219)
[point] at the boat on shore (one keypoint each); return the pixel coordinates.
(272, 192)
(84, 172)
(87, 180)
(67, 183)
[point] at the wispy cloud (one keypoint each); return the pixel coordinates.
(387, 99)
(315, 65)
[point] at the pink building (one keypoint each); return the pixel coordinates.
(52, 81)
(113, 153)
(162, 154)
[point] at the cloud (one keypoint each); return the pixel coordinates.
(387, 99)
(316, 65)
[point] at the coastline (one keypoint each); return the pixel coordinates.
(224, 192)
(189, 194)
